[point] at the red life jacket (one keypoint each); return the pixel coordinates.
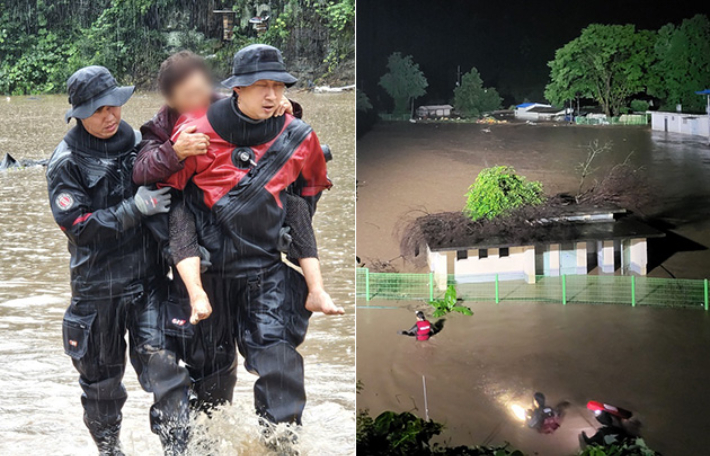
(423, 330)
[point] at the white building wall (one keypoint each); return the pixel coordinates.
(520, 262)
(688, 124)
(437, 264)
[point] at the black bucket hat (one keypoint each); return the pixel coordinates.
(258, 62)
(91, 88)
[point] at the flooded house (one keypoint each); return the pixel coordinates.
(678, 122)
(601, 240)
(434, 111)
(540, 112)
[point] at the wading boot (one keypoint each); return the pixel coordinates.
(106, 437)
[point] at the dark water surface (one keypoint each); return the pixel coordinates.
(648, 360)
(40, 412)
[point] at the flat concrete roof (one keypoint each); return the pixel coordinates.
(627, 227)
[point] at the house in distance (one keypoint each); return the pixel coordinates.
(604, 240)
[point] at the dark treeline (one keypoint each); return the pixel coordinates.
(43, 41)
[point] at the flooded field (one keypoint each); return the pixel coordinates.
(404, 167)
(651, 361)
(40, 408)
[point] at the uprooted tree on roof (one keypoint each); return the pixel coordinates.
(498, 191)
(503, 204)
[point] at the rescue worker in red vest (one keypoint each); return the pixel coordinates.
(422, 329)
(118, 278)
(236, 192)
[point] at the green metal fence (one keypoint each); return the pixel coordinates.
(624, 290)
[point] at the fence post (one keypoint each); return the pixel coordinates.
(707, 295)
(431, 286)
(497, 291)
(633, 291)
(564, 289)
(367, 284)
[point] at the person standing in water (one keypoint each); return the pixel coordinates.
(422, 329)
(118, 278)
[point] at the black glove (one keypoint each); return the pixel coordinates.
(205, 262)
(285, 239)
(150, 202)
(401, 333)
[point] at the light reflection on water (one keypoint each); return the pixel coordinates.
(40, 412)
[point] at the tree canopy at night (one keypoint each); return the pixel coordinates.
(683, 63)
(403, 82)
(471, 99)
(609, 63)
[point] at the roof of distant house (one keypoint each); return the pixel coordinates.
(527, 105)
(437, 107)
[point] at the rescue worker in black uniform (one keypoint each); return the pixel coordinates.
(118, 278)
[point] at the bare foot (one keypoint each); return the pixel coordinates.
(320, 301)
(201, 308)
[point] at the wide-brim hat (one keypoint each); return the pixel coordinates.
(94, 87)
(258, 62)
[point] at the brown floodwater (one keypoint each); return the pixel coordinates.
(653, 361)
(40, 412)
(404, 168)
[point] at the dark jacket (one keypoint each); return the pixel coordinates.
(91, 197)
(157, 159)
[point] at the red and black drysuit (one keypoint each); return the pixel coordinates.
(156, 162)
(118, 283)
(236, 194)
(422, 330)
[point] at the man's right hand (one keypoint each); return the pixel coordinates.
(189, 143)
(150, 202)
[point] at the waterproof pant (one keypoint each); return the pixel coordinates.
(265, 313)
(94, 336)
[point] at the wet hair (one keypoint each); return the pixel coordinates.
(177, 68)
(420, 314)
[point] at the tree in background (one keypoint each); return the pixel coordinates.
(403, 82)
(609, 63)
(499, 190)
(683, 65)
(471, 99)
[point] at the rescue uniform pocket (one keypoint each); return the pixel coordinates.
(176, 318)
(75, 332)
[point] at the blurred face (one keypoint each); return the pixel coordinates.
(260, 100)
(193, 93)
(103, 124)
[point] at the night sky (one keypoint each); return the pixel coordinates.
(510, 42)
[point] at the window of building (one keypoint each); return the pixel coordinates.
(461, 254)
(482, 253)
(504, 252)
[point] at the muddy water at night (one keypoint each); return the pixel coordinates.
(652, 361)
(40, 408)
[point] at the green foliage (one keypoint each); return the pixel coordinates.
(404, 434)
(362, 101)
(635, 448)
(609, 63)
(42, 42)
(449, 304)
(403, 82)
(639, 105)
(683, 65)
(471, 99)
(499, 190)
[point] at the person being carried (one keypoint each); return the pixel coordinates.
(422, 329)
(185, 82)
